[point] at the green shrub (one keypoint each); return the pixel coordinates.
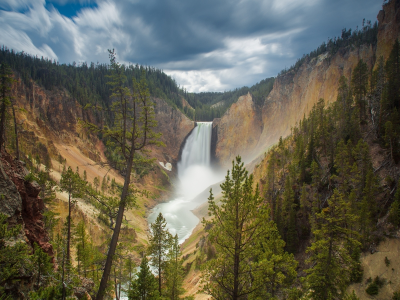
(30, 177)
(373, 288)
(387, 261)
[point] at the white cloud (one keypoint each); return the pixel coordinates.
(104, 17)
(17, 39)
(238, 62)
(283, 6)
(199, 81)
(19, 4)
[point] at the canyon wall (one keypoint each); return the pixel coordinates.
(174, 126)
(49, 129)
(248, 130)
(51, 117)
(239, 129)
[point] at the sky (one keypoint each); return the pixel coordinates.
(205, 45)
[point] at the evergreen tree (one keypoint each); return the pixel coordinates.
(82, 244)
(368, 207)
(130, 267)
(331, 262)
(121, 93)
(145, 286)
(289, 215)
(159, 244)
(277, 267)
(42, 264)
(6, 81)
(139, 134)
(47, 191)
(174, 271)
(72, 184)
(239, 223)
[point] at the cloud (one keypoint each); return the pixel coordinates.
(20, 40)
(205, 45)
(19, 4)
(104, 17)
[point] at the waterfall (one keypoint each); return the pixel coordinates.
(197, 149)
(194, 176)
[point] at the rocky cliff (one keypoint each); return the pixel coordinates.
(389, 29)
(51, 117)
(238, 130)
(248, 130)
(174, 126)
(21, 202)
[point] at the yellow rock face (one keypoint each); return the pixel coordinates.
(238, 130)
(248, 131)
(294, 94)
(174, 126)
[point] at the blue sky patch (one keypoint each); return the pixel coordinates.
(70, 9)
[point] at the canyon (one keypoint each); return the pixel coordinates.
(50, 126)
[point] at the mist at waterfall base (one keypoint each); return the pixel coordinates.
(195, 174)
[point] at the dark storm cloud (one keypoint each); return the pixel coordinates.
(205, 45)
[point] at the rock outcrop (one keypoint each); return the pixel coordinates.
(21, 202)
(174, 126)
(389, 29)
(238, 130)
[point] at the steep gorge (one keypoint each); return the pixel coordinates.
(50, 127)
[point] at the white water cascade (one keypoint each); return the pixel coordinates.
(194, 175)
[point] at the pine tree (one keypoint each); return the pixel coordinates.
(289, 217)
(368, 206)
(239, 223)
(145, 286)
(42, 264)
(138, 135)
(82, 244)
(6, 81)
(159, 244)
(331, 262)
(174, 272)
(130, 267)
(72, 184)
(277, 267)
